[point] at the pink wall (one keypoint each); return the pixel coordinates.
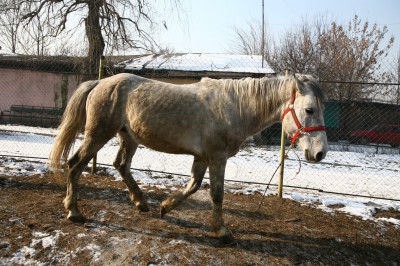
(26, 87)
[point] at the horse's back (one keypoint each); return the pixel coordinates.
(166, 117)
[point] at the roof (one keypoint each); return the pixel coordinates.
(7, 54)
(197, 62)
(55, 64)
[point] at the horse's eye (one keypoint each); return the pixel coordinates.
(309, 111)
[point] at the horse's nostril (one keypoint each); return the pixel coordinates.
(319, 156)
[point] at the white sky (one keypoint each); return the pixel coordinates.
(208, 24)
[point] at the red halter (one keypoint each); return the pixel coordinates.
(300, 128)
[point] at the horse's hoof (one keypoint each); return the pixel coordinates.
(227, 239)
(78, 219)
(143, 207)
(165, 207)
(163, 211)
(225, 236)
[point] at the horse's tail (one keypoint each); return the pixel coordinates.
(72, 123)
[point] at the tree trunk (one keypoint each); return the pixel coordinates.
(95, 39)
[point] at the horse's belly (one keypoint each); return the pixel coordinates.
(168, 142)
(167, 147)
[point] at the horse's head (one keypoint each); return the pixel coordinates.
(303, 118)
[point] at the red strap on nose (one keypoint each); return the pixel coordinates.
(317, 128)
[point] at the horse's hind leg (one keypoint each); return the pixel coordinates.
(199, 168)
(76, 165)
(127, 148)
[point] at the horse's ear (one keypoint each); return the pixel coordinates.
(298, 85)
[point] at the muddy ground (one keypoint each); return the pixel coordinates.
(34, 229)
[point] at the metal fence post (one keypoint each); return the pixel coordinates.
(94, 161)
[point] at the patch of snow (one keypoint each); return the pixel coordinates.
(390, 220)
(94, 250)
(26, 255)
(23, 256)
(46, 239)
(360, 207)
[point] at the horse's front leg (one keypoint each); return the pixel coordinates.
(217, 173)
(199, 168)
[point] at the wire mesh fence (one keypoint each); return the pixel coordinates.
(363, 132)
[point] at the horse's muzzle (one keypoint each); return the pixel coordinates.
(311, 158)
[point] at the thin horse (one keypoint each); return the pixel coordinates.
(209, 120)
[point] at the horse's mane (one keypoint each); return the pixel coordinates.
(263, 95)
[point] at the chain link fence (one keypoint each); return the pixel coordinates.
(363, 133)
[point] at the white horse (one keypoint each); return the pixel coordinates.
(209, 120)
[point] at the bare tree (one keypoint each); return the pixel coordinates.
(353, 54)
(33, 38)
(10, 24)
(299, 50)
(250, 41)
(119, 24)
(37, 37)
(332, 52)
(392, 92)
(397, 90)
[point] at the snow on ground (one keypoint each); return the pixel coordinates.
(40, 240)
(25, 255)
(350, 171)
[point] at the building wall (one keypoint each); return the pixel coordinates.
(35, 88)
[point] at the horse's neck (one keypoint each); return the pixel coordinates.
(261, 106)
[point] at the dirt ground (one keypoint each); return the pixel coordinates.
(34, 230)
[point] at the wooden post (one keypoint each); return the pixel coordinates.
(94, 161)
(282, 157)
